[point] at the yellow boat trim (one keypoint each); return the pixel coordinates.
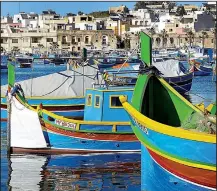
(181, 161)
(84, 122)
(58, 105)
(166, 129)
(200, 106)
(209, 107)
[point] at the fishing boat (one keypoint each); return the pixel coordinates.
(4, 61)
(60, 92)
(105, 127)
(171, 70)
(201, 70)
(57, 61)
(179, 138)
(24, 62)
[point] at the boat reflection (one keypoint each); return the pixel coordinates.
(75, 172)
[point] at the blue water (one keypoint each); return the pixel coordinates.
(92, 172)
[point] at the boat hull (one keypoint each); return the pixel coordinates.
(201, 71)
(91, 138)
(181, 84)
(68, 107)
(159, 153)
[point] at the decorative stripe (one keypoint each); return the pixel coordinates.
(166, 129)
(170, 156)
(92, 136)
(197, 176)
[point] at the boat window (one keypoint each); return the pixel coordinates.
(89, 100)
(97, 99)
(115, 102)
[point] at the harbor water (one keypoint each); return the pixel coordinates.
(86, 172)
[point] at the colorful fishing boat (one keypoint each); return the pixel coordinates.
(4, 63)
(172, 71)
(179, 138)
(105, 127)
(60, 92)
(200, 70)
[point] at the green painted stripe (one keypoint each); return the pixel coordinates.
(143, 140)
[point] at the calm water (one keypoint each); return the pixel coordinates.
(90, 172)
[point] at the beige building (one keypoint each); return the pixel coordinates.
(75, 40)
(28, 40)
(176, 41)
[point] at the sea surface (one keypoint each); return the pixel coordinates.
(84, 172)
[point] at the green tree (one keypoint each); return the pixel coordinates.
(80, 13)
(203, 36)
(180, 11)
(190, 36)
(164, 37)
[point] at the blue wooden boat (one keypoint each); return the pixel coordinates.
(105, 127)
(201, 70)
(179, 138)
(181, 83)
(70, 107)
(4, 61)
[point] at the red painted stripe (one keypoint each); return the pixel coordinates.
(93, 136)
(196, 175)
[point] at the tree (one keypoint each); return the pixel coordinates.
(171, 5)
(214, 39)
(203, 36)
(164, 36)
(70, 14)
(190, 36)
(80, 13)
(54, 46)
(180, 11)
(40, 46)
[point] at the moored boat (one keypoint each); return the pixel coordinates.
(105, 127)
(178, 136)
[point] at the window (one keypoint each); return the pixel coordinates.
(73, 40)
(14, 40)
(79, 40)
(79, 48)
(212, 41)
(115, 102)
(89, 99)
(49, 39)
(104, 40)
(1, 40)
(181, 40)
(35, 40)
(97, 101)
(86, 39)
(177, 25)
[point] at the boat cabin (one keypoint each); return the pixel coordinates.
(103, 104)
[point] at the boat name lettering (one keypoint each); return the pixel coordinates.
(65, 124)
(143, 128)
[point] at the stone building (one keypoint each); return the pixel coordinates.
(76, 40)
(176, 41)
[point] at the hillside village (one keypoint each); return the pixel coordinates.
(169, 25)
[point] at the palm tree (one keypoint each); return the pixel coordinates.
(164, 36)
(214, 40)
(190, 36)
(54, 46)
(203, 36)
(179, 37)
